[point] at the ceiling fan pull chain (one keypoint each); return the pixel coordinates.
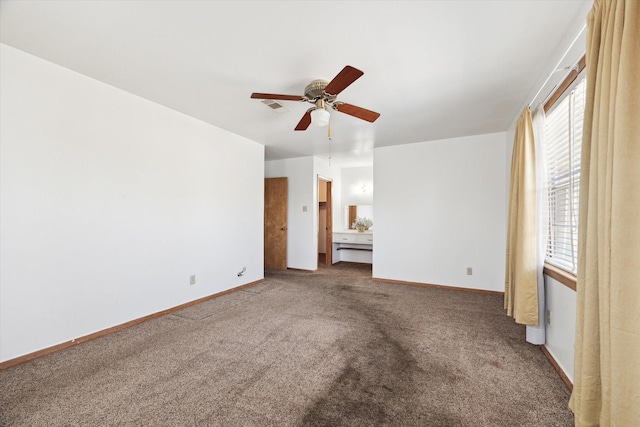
(329, 134)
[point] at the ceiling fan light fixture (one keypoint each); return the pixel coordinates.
(320, 117)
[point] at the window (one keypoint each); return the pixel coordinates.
(563, 142)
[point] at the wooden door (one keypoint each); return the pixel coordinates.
(275, 223)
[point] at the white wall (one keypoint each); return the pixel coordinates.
(353, 180)
(109, 203)
(302, 233)
(440, 208)
(561, 332)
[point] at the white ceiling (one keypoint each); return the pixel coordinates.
(433, 69)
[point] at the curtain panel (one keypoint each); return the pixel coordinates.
(536, 334)
(521, 278)
(607, 369)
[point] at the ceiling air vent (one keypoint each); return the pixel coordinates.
(275, 106)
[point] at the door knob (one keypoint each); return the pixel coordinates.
(283, 228)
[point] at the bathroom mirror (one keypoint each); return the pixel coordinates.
(351, 212)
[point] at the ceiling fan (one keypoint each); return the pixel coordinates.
(323, 95)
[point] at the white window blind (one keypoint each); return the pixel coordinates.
(563, 142)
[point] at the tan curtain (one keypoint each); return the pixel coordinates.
(521, 284)
(607, 360)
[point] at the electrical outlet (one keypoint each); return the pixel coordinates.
(548, 317)
(469, 271)
(192, 279)
(304, 209)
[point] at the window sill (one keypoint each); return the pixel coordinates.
(564, 277)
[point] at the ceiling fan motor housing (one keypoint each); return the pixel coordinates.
(315, 91)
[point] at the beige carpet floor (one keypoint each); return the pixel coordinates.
(331, 348)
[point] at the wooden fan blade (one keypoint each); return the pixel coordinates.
(358, 112)
(305, 121)
(344, 78)
(276, 96)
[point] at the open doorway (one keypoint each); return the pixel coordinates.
(325, 223)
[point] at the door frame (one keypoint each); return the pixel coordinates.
(329, 222)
